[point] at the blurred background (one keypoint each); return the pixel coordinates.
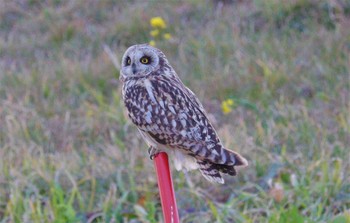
(272, 75)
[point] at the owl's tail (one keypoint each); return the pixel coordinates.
(236, 158)
(212, 171)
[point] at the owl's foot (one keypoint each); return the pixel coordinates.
(152, 152)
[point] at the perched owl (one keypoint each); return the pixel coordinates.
(169, 116)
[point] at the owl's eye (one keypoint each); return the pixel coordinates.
(128, 61)
(145, 60)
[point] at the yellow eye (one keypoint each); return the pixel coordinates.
(128, 61)
(144, 60)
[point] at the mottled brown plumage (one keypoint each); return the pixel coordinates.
(170, 117)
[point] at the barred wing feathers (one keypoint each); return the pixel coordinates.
(166, 110)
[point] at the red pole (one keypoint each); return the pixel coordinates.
(166, 189)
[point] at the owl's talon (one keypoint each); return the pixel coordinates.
(152, 152)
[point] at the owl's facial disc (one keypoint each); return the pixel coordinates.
(139, 61)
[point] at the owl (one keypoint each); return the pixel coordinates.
(170, 117)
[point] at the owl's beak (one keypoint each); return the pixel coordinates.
(121, 78)
(133, 67)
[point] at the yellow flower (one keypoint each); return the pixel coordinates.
(152, 43)
(158, 22)
(154, 32)
(226, 106)
(230, 102)
(167, 36)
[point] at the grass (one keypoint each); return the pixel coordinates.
(68, 153)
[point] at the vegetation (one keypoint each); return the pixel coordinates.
(272, 75)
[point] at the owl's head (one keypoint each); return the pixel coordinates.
(140, 60)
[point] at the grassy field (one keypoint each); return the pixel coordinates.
(272, 75)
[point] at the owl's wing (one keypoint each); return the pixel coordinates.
(172, 115)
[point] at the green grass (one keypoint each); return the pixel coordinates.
(68, 153)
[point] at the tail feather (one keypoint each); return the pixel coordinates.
(238, 159)
(210, 172)
(219, 155)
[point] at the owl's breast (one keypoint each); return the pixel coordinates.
(164, 110)
(136, 102)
